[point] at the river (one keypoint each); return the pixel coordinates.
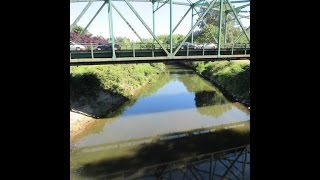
(177, 119)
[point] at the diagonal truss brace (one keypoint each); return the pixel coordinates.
(126, 22)
(80, 15)
(237, 39)
(161, 5)
(236, 16)
(179, 22)
(206, 25)
(146, 26)
(195, 25)
(90, 21)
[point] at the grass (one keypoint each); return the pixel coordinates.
(233, 76)
(118, 82)
(121, 79)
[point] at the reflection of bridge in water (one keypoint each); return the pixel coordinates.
(163, 137)
(203, 153)
(227, 164)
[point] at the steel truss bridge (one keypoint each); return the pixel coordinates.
(159, 52)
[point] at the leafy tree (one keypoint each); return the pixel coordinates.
(206, 33)
(78, 29)
(122, 40)
(86, 37)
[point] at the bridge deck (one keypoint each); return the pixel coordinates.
(149, 56)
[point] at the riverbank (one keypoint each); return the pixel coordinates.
(232, 77)
(96, 90)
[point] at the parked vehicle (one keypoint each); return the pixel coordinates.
(107, 47)
(76, 47)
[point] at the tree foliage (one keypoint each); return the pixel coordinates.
(206, 33)
(86, 37)
(78, 29)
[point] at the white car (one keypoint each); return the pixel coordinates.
(76, 47)
(207, 46)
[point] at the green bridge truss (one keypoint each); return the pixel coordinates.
(201, 9)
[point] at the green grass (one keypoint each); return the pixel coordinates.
(105, 86)
(233, 76)
(120, 79)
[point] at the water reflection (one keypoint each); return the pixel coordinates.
(209, 98)
(228, 164)
(180, 101)
(98, 161)
(149, 90)
(211, 103)
(194, 83)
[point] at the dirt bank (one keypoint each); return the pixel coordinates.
(97, 90)
(88, 115)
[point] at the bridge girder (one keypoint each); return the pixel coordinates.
(205, 5)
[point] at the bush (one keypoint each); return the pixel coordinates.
(234, 76)
(121, 79)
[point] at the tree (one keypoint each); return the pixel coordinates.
(78, 29)
(86, 37)
(122, 40)
(165, 38)
(205, 35)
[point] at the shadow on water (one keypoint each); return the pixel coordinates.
(160, 151)
(227, 164)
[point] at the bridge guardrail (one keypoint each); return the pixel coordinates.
(150, 49)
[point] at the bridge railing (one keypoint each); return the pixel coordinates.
(90, 50)
(150, 46)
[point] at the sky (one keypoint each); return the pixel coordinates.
(100, 25)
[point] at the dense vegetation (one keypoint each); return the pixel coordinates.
(88, 84)
(233, 76)
(85, 37)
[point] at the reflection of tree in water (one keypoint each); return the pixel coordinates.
(241, 107)
(194, 83)
(215, 110)
(154, 86)
(211, 103)
(147, 91)
(208, 99)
